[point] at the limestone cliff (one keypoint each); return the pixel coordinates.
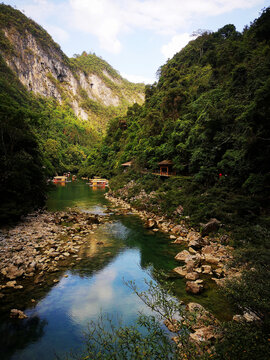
(87, 83)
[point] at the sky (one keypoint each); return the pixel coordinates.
(136, 37)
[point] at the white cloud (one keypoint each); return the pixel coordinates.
(176, 44)
(138, 79)
(109, 19)
(58, 34)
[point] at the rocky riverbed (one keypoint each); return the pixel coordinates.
(42, 243)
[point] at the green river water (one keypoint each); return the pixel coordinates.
(58, 318)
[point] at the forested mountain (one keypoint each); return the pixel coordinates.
(86, 83)
(209, 114)
(53, 109)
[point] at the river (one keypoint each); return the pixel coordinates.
(59, 316)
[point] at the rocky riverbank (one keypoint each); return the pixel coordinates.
(41, 243)
(203, 257)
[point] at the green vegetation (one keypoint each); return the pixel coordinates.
(38, 138)
(22, 182)
(209, 113)
(11, 18)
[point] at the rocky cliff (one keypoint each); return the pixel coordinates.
(88, 84)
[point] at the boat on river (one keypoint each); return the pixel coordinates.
(60, 179)
(98, 182)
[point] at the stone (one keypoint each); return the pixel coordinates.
(12, 272)
(192, 251)
(206, 333)
(180, 270)
(211, 259)
(193, 287)
(192, 276)
(207, 269)
(218, 272)
(238, 318)
(250, 316)
(176, 229)
(11, 284)
(192, 306)
(150, 223)
(195, 240)
(172, 325)
(19, 314)
(212, 226)
(183, 255)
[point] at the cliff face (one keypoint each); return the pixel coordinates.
(44, 69)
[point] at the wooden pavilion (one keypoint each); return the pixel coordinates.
(165, 168)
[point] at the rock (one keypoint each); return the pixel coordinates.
(192, 276)
(192, 251)
(251, 316)
(19, 314)
(184, 256)
(11, 284)
(219, 282)
(207, 269)
(172, 325)
(12, 272)
(218, 272)
(151, 223)
(192, 306)
(238, 318)
(180, 270)
(211, 226)
(206, 333)
(190, 264)
(211, 259)
(179, 240)
(193, 287)
(194, 240)
(176, 229)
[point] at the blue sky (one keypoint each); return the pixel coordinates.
(135, 36)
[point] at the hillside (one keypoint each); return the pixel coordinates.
(209, 115)
(88, 84)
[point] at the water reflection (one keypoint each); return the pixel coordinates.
(119, 249)
(18, 334)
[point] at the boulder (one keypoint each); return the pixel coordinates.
(12, 272)
(190, 265)
(176, 229)
(180, 270)
(211, 226)
(150, 223)
(207, 269)
(211, 259)
(19, 314)
(183, 256)
(206, 333)
(172, 325)
(192, 276)
(193, 287)
(194, 240)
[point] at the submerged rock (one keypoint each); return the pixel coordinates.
(193, 287)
